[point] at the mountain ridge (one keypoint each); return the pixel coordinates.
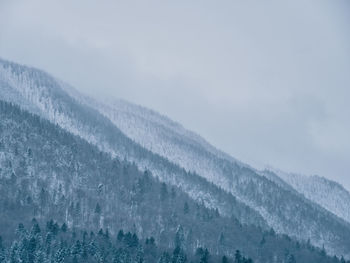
(48, 172)
(214, 179)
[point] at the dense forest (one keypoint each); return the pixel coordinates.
(47, 173)
(57, 243)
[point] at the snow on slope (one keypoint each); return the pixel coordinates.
(328, 194)
(38, 92)
(169, 139)
(283, 210)
(157, 133)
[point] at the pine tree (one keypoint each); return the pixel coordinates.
(179, 237)
(135, 240)
(139, 255)
(221, 239)
(224, 259)
(59, 256)
(186, 208)
(64, 228)
(164, 258)
(163, 191)
(31, 247)
(97, 209)
(40, 257)
(238, 257)
(205, 256)
(291, 259)
(20, 230)
(179, 256)
(2, 251)
(35, 229)
(14, 253)
(120, 235)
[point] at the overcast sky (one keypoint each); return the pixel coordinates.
(266, 81)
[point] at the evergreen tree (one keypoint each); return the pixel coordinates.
(224, 259)
(163, 192)
(179, 256)
(40, 257)
(186, 208)
(291, 259)
(221, 239)
(205, 256)
(179, 237)
(21, 230)
(14, 253)
(35, 229)
(2, 251)
(164, 258)
(120, 235)
(139, 255)
(64, 228)
(238, 257)
(31, 250)
(98, 209)
(59, 256)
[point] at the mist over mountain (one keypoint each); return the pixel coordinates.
(109, 164)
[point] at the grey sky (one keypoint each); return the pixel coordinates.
(266, 81)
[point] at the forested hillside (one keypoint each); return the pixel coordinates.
(47, 172)
(236, 190)
(57, 243)
(40, 93)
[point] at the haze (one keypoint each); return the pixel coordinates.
(266, 81)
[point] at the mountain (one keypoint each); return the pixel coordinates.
(46, 96)
(328, 194)
(177, 157)
(47, 172)
(185, 148)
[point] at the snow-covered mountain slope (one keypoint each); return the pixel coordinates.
(40, 93)
(185, 148)
(217, 180)
(328, 194)
(48, 173)
(161, 135)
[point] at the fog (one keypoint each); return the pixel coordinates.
(266, 81)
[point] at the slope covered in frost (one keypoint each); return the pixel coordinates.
(48, 173)
(328, 194)
(170, 153)
(38, 92)
(167, 138)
